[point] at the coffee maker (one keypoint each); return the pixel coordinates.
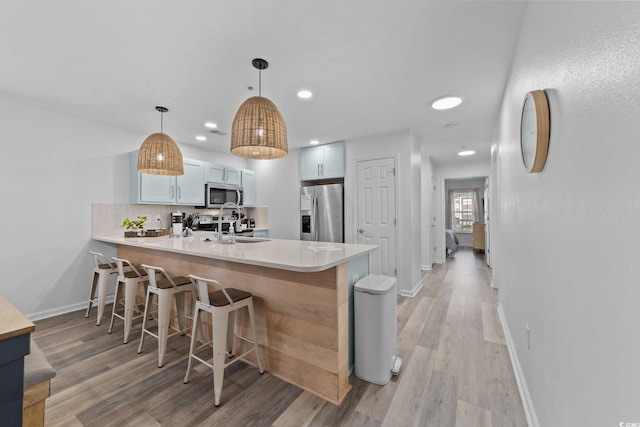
(176, 224)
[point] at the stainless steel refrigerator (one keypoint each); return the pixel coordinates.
(322, 213)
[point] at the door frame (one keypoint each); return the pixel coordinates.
(351, 202)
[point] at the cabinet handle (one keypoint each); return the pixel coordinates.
(318, 169)
(172, 191)
(179, 192)
(322, 169)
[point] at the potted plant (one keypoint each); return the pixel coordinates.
(136, 224)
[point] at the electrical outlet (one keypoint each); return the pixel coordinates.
(528, 332)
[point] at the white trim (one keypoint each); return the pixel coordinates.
(527, 403)
(70, 308)
(413, 292)
(426, 267)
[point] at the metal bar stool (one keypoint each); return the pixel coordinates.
(164, 288)
(129, 278)
(222, 304)
(102, 270)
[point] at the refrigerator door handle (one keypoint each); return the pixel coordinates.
(314, 219)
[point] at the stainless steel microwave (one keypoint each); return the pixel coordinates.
(217, 195)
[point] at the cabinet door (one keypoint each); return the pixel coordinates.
(332, 160)
(157, 188)
(310, 161)
(190, 186)
(232, 176)
(249, 187)
(214, 173)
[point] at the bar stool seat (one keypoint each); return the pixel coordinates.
(222, 304)
(164, 288)
(102, 270)
(130, 277)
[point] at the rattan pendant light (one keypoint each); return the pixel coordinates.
(159, 154)
(258, 130)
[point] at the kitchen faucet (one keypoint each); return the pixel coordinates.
(226, 205)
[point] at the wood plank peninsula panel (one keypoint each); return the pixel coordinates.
(302, 317)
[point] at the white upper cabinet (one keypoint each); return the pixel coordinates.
(249, 186)
(322, 161)
(221, 174)
(190, 186)
(187, 189)
(154, 188)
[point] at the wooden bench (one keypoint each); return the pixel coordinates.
(37, 379)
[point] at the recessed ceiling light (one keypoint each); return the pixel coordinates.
(314, 142)
(305, 94)
(466, 153)
(451, 125)
(211, 125)
(446, 103)
(201, 138)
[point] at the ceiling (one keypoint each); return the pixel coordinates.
(373, 66)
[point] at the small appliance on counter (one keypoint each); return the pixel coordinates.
(248, 223)
(176, 224)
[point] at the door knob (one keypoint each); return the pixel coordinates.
(361, 230)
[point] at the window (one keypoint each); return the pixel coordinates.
(463, 211)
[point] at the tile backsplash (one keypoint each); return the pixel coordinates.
(106, 218)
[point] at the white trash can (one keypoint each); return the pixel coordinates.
(375, 329)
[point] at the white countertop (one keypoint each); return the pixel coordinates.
(293, 255)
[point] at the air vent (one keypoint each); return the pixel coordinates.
(217, 132)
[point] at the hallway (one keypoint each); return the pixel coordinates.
(457, 368)
(456, 371)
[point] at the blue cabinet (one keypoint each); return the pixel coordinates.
(322, 162)
(249, 185)
(187, 189)
(221, 174)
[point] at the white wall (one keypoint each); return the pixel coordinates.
(427, 207)
(279, 189)
(406, 149)
(567, 256)
(53, 167)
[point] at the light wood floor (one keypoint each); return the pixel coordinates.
(456, 371)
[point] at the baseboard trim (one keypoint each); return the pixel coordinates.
(67, 309)
(412, 293)
(426, 267)
(527, 403)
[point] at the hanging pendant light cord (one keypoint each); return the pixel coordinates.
(259, 82)
(161, 117)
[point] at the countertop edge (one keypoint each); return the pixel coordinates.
(134, 242)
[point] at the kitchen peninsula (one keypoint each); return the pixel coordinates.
(302, 292)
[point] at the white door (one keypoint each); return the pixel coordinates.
(376, 212)
(433, 235)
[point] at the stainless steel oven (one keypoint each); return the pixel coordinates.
(217, 195)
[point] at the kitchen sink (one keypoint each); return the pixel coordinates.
(251, 239)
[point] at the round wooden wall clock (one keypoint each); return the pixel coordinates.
(534, 131)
